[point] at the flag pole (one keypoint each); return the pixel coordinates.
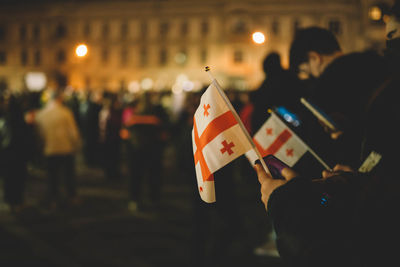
(226, 99)
(326, 166)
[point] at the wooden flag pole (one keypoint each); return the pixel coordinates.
(226, 99)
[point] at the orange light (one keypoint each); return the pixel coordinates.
(81, 50)
(258, 37)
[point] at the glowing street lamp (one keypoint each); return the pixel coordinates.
(258, 37)
(81, 50)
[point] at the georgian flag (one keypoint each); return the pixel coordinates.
(274, 137)
(217, 140)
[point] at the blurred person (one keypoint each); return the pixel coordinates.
(347, 218)
(341, 85)
(110, 117)
(61, 142)
(147, 128)
(16, 150)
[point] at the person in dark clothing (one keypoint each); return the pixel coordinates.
(279, 88)
(110, 121)
(16, 148)
(347, 218)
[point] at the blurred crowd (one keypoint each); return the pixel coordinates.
(50, 128)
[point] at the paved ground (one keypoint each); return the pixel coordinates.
(101, 231)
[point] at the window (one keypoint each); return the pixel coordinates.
(124, 31)
(335, 26)
(37, 58)
(60, 56)
(105, 31)
(143, 29)
(61, 31)
(3, 57)
(238, 56)
(181, 57)
(36, 32)
(296, 25)
(124, 57)
(204, 28)
(104, 55)
(86, 30)
(239, 27)
(163, 57)
(164, 28)
(24, 57)
(184, 28)
(2, 32)
(203, 55)
(143, 57)
(22, 33)
(275, 27)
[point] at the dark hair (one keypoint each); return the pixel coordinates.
(395, 9)
(309, 39)
(272, 63)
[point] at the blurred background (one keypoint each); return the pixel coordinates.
(146, 57)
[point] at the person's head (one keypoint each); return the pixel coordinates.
(393, 27)
(313, 49)
(272, 63)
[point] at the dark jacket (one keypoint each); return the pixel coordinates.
(350, 219)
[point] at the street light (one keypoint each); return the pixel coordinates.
(81, 50)
(258, 37)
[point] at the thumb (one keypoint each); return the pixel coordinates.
(288, 173)
(261, 173)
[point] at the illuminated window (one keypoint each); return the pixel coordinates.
(24, 58)
(181, 57)
(3, 57)
(37, 58)
(335, 26)
(238, 56)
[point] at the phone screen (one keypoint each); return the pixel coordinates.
(288, 116)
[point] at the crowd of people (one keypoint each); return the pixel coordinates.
(340, 217)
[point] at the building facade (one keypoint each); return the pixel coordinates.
(165, 44)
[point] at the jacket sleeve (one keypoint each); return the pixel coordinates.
(311, 218)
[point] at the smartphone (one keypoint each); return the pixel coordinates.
(288, 116)
(321, 115)
(275, 166)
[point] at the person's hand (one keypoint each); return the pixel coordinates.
(269, 184)
(336, 170)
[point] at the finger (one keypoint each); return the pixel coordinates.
(288, 173)
(261, 174)
(340, 167)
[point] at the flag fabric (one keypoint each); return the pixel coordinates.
(217, 139)
(274, 137)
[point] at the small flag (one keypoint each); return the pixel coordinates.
(275, 138)
(217, 138)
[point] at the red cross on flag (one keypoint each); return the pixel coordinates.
(217, 139)
(274, 137)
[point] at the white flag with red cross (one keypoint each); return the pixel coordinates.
(217, 139)
(274, 137)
